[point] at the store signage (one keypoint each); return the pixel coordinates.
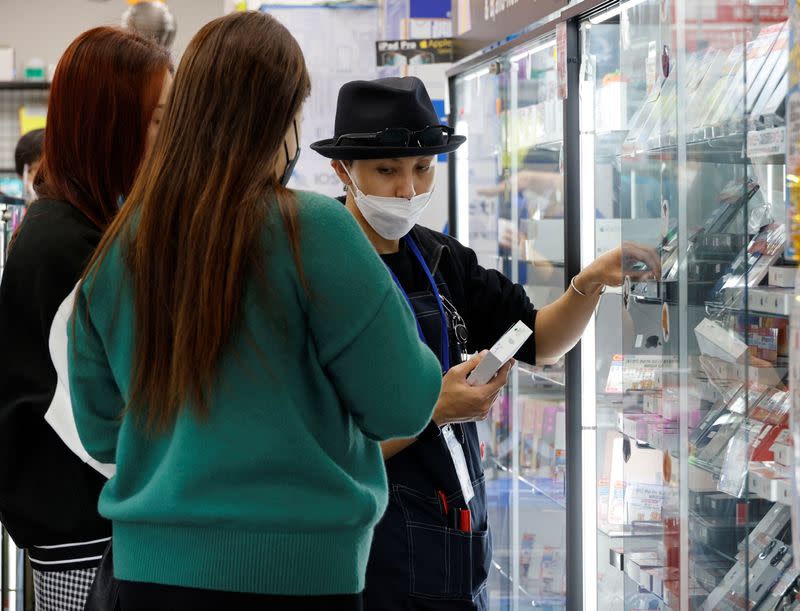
(480, 23)
(414, 52)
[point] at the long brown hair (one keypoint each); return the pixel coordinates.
(193, 223)
(102, 98)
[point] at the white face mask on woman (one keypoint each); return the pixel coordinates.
(390, 217)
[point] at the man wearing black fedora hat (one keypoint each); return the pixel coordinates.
(432, 548)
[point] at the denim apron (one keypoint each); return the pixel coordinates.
(418, 560)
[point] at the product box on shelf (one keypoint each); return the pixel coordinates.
(772, 407)
(782, 587)
(733, 467)
(783, 448)
(716, 341)
(752, 266)
(768, 480)
(721, 505)
(770, 527)
(651, 403)
(713, 445)
(713, 64)
(763, 344)
(718, 598)
(758, 81)
(723, 77)
(709, 576)
(717, 374)
(770, 299)
(761, 448)
(661, 579)
(698, 502)
(616, 558)
(747, 584)
(665, 436)
(717, 533)
(671, 405)
(718, 246)
(699, 437)
(637, 565)
(774, 111)
(637, 425)
(764, 111)
(731, 200)
(764, 573)
(746, 323)
(782, 276)
(725, 370)
(757, 54)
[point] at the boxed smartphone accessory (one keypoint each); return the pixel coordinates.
(783, 447)
(716, 341)
(746, 323)
(768, 480)
(733, 476)
(770, 299)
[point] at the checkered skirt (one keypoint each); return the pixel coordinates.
(62, 590)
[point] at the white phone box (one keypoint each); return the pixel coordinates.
(502, 352)
(717, 341)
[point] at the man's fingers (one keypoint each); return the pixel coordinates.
(500, 380)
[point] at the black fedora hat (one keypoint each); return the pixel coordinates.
(386, 118)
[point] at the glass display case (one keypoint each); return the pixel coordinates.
(683, 409)
(690, 363)
(509, 182)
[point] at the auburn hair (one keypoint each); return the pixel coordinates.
(191, 229)
(104, 91)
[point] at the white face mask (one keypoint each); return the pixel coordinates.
(390, 217)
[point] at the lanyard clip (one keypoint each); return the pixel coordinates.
(458, 326)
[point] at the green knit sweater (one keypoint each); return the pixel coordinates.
(279, 490)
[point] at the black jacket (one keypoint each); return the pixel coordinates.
(416, 562)
(489, 302)
(48, 493)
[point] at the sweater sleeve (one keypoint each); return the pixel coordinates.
(495, 305)
(365, 333)
(97, 403)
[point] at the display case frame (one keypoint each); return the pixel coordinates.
(744, 143)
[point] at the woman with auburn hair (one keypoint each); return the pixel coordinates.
(105, 105)
(225, 356)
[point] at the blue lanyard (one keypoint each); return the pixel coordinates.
(445, 340)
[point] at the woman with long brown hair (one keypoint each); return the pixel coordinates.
(103, 112)
(225, 357)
